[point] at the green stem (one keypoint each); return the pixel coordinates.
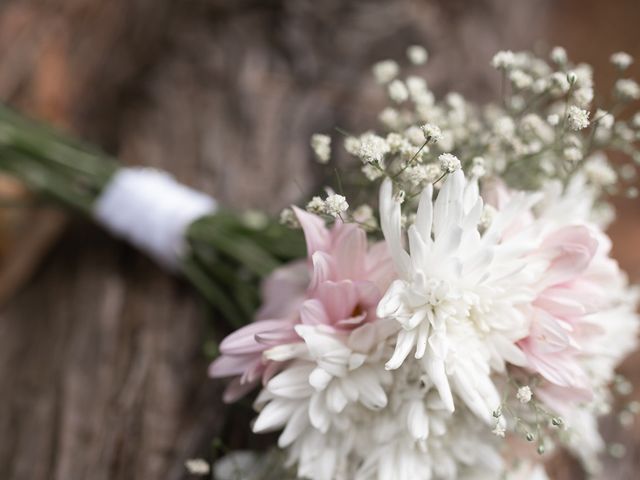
(212, 292)
(229, 254)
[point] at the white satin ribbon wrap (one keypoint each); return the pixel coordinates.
(152, 211)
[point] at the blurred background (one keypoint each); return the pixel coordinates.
(102, 371)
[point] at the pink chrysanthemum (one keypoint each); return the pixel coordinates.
(339, 286)
(579, 284)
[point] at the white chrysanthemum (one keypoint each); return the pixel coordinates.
(457, 293)
(416, 438)
(330, 374)
(346, 417)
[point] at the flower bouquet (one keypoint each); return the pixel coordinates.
(465, 330)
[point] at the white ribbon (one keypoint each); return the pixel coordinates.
(152, 211)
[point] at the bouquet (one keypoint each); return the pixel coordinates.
(471, 325)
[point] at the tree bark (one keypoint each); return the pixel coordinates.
(102, 374)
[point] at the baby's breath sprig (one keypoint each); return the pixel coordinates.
(544, 129)
(521, 413)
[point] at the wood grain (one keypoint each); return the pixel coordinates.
(102, 374)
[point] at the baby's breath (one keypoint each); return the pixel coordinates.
(417, 54)
(577, 118)
(449, 163)
(627, 89)
(335, 205)
(504, 60)
(321, 145)
(398, 91)
(621, 60)
(385, 71)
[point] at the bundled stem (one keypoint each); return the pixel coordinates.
(229, 253)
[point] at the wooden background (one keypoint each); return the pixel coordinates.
(102, 374)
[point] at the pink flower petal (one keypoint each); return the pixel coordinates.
(315, 232)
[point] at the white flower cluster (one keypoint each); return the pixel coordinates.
(321, 145)
(334, 205)
(622, 60)
(418, 384)
(577, 118)
(467, 295)
(417, 54)
(544, 128)
(344, 419)
(449, 163)
(490, 309)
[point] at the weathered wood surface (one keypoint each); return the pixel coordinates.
(101, 370)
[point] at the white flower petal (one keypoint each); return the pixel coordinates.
(319, 416)
(424, 215)
(434, 367)
(372, 394)
(319, 379)
(448, 206)
(418, 421)
(406, 341)
(274, 415)
(295, 426)
(390, 220)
